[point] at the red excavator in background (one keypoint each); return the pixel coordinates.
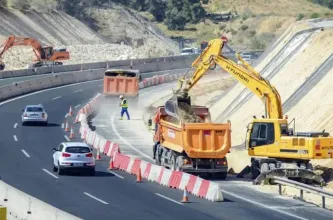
(44, 54)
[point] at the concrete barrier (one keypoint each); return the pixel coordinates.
(177, 62)
(23, 206)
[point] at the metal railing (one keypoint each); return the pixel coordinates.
(303, 187)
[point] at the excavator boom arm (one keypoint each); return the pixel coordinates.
(212, 56)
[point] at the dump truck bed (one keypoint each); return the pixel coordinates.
(121, 82)
(197, 140)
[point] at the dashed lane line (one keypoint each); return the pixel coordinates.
(56, 98)
(167, 198)
(116, 174)
(15, 125)
(15, 138)
(77, 106)
(97, 199)
(67, 138)
(25, 153)
(51, 174)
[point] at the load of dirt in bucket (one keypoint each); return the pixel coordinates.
(187, 114)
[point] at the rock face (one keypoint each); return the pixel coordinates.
(121, 34)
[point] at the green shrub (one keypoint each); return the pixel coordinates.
(244, 27)
(252, 33)
(233, 32)
(315, 15)
(245, 17)
(205, 1)
(300, 17)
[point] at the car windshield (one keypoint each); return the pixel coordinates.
(77, 150)
(34, 109)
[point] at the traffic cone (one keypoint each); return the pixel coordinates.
(71, 135)
(70, 113)
(98, 156)
(185, 197)
(111, 166)
(66, 126)
(138, 176)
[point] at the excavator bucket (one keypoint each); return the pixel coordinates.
(171, 106)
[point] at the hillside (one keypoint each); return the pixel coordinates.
(255, 23)
(126, 35)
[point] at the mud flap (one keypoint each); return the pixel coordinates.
(290, 173)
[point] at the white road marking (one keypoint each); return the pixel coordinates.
(117, 175)
(15, 138)
(56, 98)
(25, 153)
(46, 90)
(80, 90)
(67, 138)
(66, 115)
(15, 125)
(124, 140)
(63, 125)
(263, 205)
(167, 198)
(48, 172)
(77, 106)
(93, 197)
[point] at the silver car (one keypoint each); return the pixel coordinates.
(34, 113)
(73, 156)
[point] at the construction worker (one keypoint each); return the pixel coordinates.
(124, 107)
(156, 121)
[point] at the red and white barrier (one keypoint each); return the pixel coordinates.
(173, 179)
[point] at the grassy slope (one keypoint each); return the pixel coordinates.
(265, 19)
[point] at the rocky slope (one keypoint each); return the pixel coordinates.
(129, 36)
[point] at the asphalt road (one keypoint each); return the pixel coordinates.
(26, 163)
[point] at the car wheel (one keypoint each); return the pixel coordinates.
(54, 167)
(45, 123)
(23, 123)
(60, 171)
(92, 172)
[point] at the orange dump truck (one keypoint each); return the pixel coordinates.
(121, 82)
(192, 147)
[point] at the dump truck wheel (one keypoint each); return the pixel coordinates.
(255, 169)
(221, 175)
(173, 162)
(157, 159)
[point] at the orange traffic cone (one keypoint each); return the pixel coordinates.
(138, 176)
(185, 197)
(66, 126)
(71, 135)
(98, 156)
(70, 113)
(111, 166)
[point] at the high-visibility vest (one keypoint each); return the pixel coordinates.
(124, 103)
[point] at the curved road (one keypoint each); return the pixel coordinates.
(26, 164)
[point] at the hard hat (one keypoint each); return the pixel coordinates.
(121, 96)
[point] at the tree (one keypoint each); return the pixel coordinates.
(157, 8)
(140, 5)
(175, 16)
(197, 12)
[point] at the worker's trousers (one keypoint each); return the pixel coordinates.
(124, 110)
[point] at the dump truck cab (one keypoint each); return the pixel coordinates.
(122, 82)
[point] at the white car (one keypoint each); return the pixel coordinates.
(34, 113)
(73, 156)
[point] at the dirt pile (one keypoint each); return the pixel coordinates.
(187, 114)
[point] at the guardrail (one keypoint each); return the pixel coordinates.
(303, 187)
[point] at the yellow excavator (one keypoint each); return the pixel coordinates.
(275, 149)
